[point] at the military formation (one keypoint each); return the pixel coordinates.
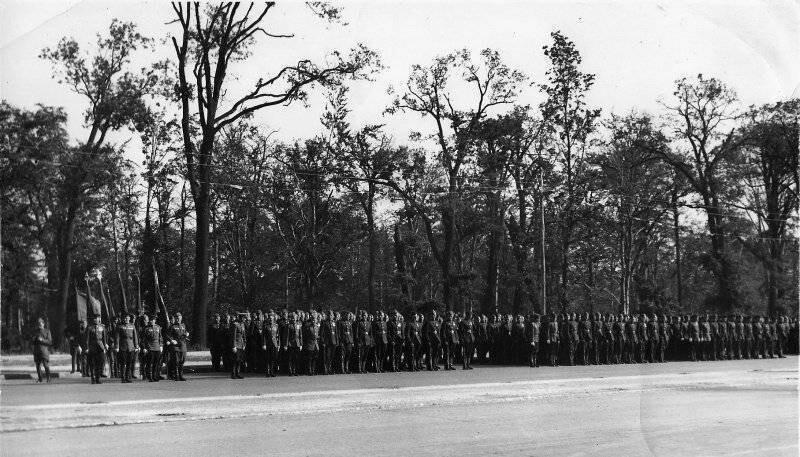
(311, 342)
(118, 346)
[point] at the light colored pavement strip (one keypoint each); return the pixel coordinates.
(66, 415)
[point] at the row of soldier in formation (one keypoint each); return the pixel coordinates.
(120, 343)
(331, 342)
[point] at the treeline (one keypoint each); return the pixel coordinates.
(494, 205)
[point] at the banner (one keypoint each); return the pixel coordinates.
(80, 305)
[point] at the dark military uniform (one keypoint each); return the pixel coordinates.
(237, 343)
(466, 333)
(311, 346)
(294, 338)
(532, 336)
(177, 335)
(449, 333)
(632, 341)
(551, 339)
(152, 342)
(42, 340)
(363, 343)
(433, 342)
(126, 342)
(585, 339)
(96, 347)
(213, 337)
(344, 330)
(573, 339)
(413, 345)
(329, 339)
(270, 338)
(396, 338)
(381, 338)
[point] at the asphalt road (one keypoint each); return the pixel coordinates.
(704, 408)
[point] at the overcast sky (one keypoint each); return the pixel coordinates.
(636, 48)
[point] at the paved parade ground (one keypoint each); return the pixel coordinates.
(747, 407)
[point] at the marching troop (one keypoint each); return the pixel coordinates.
(311, 342)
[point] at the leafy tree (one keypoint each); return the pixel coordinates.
(207, 43)
(568, 122)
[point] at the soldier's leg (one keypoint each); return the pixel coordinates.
(37, 359)
(123, 366)
(99, 364)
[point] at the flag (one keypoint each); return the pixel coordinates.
(80, 305)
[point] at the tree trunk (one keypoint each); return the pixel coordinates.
(201, 270)
(400, 260)
(373, 248)
(59, 318)
(678, 263)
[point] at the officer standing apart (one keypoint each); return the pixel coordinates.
(42, 340)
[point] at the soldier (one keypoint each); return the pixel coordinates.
(695, 338)
(111, 355)
(519, 349)
(663, 337)
(748, 338)
(584, 337)
(632, 339)
(505, 339)
(270, 344)
(449, 338)
(80, 349)
(212, 338)
(722, 335)
(739, 338)
(344, 328)
(609, 340)
(380, 336)
(41, 342)
(685, 343)
(311, 344)
(643, 335)
(598, 342)
(223, 342)
(396, 337)
(414, 343)
(151, 348)
(481, 337)
(492, 333)
(177, 335)
(126, 343)
(363, 341)
(73, 337)
(783, 335)
(551, 339)
(573, 337)
(730, 330)
(295, 343)
(620, 337)
(329, 340)
(532, 336)
(432, 340)
(96, 346)
(466, 334)
(237, 344)
(771, 332)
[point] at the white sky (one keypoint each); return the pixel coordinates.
(636, 48)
